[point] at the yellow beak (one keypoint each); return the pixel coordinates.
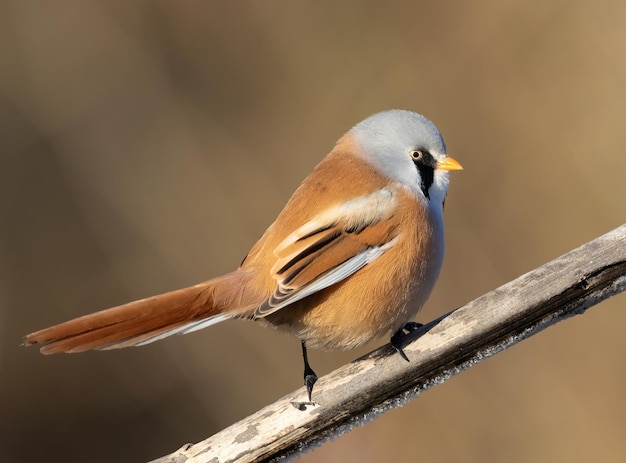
(449, 164)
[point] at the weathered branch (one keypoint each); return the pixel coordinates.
(359, 391)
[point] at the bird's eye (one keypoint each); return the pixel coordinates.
(417, 155)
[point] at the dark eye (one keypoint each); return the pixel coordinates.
(417, 155)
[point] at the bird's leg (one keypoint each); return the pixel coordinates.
(398, 337)
(309, 375)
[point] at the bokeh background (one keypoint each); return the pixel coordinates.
(145, 146)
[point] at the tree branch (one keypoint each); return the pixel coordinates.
(382, 380)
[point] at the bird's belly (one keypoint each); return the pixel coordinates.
(378, 299)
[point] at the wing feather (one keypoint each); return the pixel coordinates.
(330, 247)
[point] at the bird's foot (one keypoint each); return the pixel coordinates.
(399, 336)
(309, 380)
(309, 375)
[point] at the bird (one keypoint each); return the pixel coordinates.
(354, 254)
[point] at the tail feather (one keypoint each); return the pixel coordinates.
(147, 320)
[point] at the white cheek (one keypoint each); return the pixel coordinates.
(398, 169)
(411, 180)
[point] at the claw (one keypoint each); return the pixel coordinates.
(399, 336)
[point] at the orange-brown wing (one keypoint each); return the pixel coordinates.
(331, 247)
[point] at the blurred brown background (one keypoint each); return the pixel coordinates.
(146, 145)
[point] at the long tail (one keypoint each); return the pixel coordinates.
(148, 320)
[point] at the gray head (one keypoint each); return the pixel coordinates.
(407, 148)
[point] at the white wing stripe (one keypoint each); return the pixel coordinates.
(371, 208)
(339, 273)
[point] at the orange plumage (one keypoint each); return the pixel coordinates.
(354, 254)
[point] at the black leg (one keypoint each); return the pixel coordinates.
(309, 375)
(398, 337)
